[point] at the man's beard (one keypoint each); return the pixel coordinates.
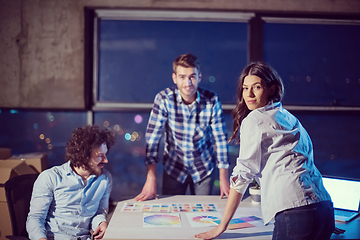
(95, 169)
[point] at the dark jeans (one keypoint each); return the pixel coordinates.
(311, 222)
(173, 187)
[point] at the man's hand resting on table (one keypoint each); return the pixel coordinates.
(148, 191)
(100, 230)
(224, 182)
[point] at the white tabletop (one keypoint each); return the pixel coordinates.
(129, 225)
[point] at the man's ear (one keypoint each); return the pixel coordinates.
(174, 77)
(272, 89)
(200, 77)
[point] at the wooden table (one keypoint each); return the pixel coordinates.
(129, 225)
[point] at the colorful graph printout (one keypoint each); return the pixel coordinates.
(142, 207)
(193, 207)
(203, 219)
(161, 220)
(243, 222)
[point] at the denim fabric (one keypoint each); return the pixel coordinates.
(310, 222)
(173, 187)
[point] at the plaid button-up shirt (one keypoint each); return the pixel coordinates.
(190, 134)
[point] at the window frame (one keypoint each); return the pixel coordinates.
(255, 23)
(310, 21)
(151, 15)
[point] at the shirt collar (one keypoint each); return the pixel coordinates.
(70, 171)
(271, 105)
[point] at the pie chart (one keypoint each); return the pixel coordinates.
(205, 219)
(161, 219)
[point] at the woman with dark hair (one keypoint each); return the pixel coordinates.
(277, 152)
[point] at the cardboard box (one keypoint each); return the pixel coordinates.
(5, 224)
(5, 153)
(9, 169)
(36, 160)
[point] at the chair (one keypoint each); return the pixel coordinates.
(18, 192)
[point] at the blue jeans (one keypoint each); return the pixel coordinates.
(173, 187)
(310, 222)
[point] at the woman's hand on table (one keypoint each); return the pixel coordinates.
(213, 233)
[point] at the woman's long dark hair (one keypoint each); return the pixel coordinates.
(269, 76)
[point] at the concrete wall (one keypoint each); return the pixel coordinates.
(42, 42)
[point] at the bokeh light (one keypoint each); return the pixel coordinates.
(128, 136)
(50, 116)
(140, 136)
(138, 119)
(217, 183)
(116, 128)
(136, 152)
(212, 79)
(42, 136)
(121, 131)
(106, 124)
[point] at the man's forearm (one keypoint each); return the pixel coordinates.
(223, 174)
(149, 189)
(151, 171)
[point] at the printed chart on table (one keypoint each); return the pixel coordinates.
(238, 222)
(174, 207)
(198, 215)
(161, 220)
(203, 219)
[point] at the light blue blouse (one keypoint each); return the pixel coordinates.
(63, 206)
(277, 151)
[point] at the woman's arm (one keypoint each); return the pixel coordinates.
(231, 206)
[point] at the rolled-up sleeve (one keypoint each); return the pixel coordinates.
(102, 211)
(155, 129)
(220, 136)
(249, 161)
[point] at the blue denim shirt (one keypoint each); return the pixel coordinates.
(63, 206)
(277, 151)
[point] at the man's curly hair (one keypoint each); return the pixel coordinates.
(83, 140)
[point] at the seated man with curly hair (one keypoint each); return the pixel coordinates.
(69, 199)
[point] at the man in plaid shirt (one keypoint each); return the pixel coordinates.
(192, 120)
